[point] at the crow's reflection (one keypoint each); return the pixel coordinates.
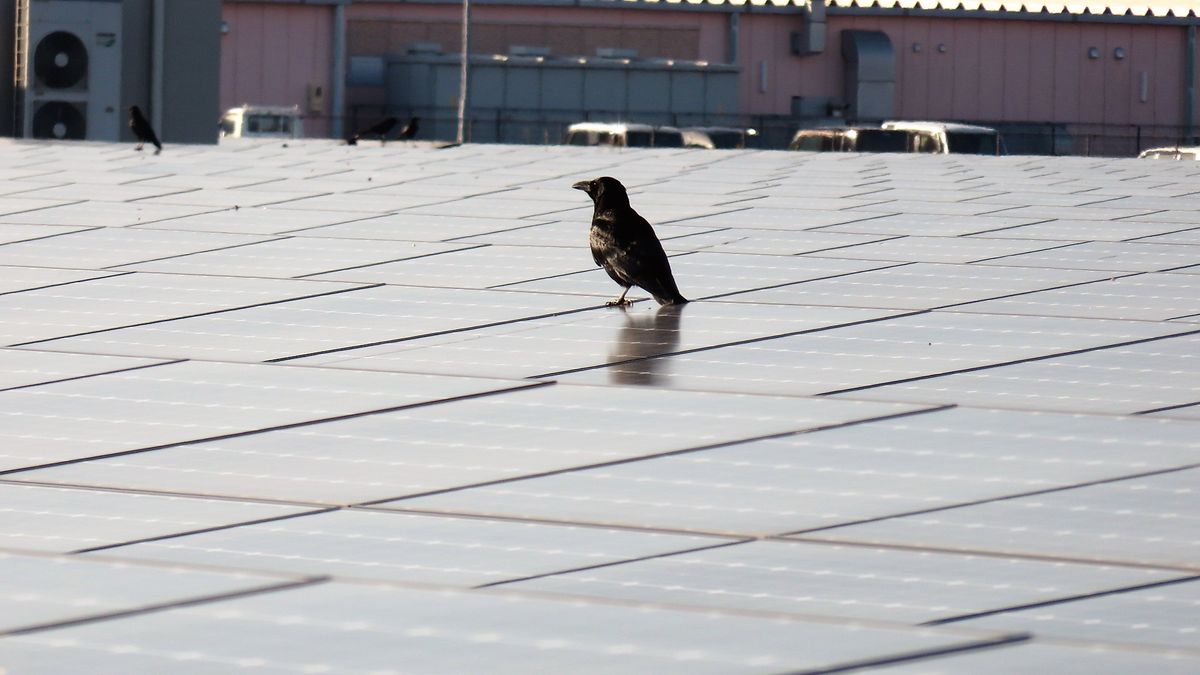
(645, 335)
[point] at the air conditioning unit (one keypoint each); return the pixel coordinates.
(72, 70)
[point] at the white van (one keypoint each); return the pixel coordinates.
(262, 121)
(948, 137)
(623, 135)
(1175, 153)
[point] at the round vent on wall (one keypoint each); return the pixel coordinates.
(59, 119)
(60, 60)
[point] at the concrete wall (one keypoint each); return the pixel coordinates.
(192, 82)
(137, 39)
(273, 53)
(7, 9)
(191, 70)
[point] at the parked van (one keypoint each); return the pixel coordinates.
(717, 138)
(850, 139)
(1177, 154)
(623, 135)
(262, 121)
(948, 137)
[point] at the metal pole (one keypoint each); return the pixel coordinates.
(156, 67)
(338, 86)
(462, 73)
(1189, 82)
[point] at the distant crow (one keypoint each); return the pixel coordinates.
(142, 129)
(379, 130)
(625, 245)
(409, 130)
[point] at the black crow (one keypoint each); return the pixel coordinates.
(625, 245)
(380, 129)
(409, 130)
(142, 129)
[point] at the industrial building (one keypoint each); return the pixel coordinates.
(1086, 77)
(1071, 77)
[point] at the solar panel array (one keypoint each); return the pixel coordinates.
(316, 408)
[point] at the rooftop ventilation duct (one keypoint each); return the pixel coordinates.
(870, 74)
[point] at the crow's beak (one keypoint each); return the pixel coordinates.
(583, 185)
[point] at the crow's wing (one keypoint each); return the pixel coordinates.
(638, 257)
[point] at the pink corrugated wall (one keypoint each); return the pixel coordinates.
(1011, 71)
(273, 52)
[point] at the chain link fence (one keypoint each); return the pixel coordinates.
(541, 127)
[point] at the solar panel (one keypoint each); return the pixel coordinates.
(25, 367)
(466, 442)
(132, 299)
(574, 234)
(942, 249)
(77, 588)
(784, 476)
(229, 198)
(102, 192)
(903, 224)
(61, 520)
(920, 286)
(767, 219)
(1162, 616)
(476, 267)
(1094, 212)
(413, 548)
(884, 351)
(293, 257)
(14, 279)
(488, 206)
(846, 581)
(704, 274)
(1140, 520)
(1032, 657)
(765, 242)
(1085, 230)
(413, 227)
(1118, 380)
(1189, 236)
(12, 207)
(256, 220)
(1141, 297)
(187, 401)
(839, 476)
(325, 323)
(91, 214)
(361, 628)
(543, 347)
(1105, 255)
(12, 232)
(112, 246)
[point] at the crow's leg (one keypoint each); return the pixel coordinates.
(139, 147)
(621, 301)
